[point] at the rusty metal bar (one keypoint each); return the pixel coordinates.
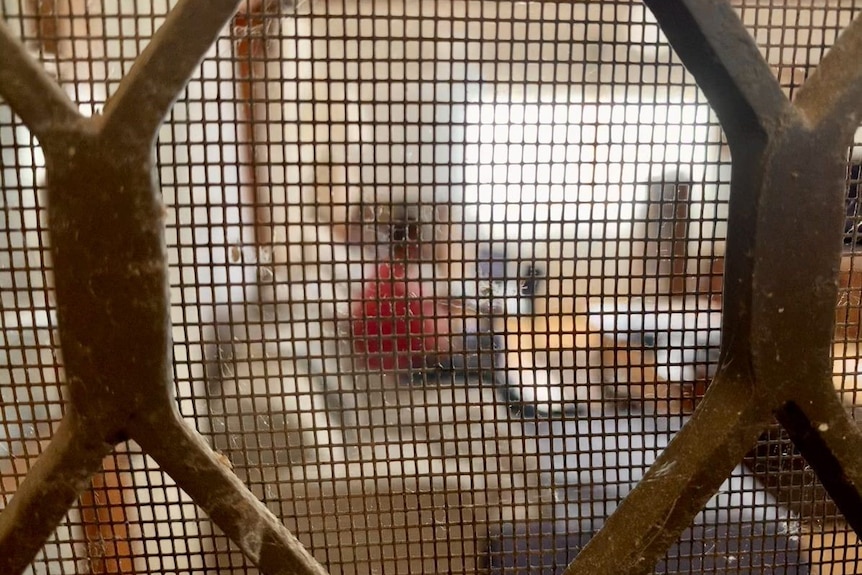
(780, 284)
(831, 104)
(106, 219)
(147, 93)
(52, 485)
(829, 440)
(796, 287)
(833, 93)
(725, 427)
(30, 92)
(110, 272)
(718, 50)
(208, 479)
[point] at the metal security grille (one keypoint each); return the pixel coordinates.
(429, 287)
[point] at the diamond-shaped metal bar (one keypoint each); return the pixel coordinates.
(780, 286)
(830, 104)
(106, 220)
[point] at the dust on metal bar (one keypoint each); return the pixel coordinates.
(680, 482)
(798, 256)
(106, 219)
(778, 300)
(797, 289)
(183, 454)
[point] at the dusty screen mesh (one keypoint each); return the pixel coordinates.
(445, 278)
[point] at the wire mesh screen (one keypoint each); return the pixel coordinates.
(445, 279)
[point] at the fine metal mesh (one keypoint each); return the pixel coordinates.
(344, 180)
